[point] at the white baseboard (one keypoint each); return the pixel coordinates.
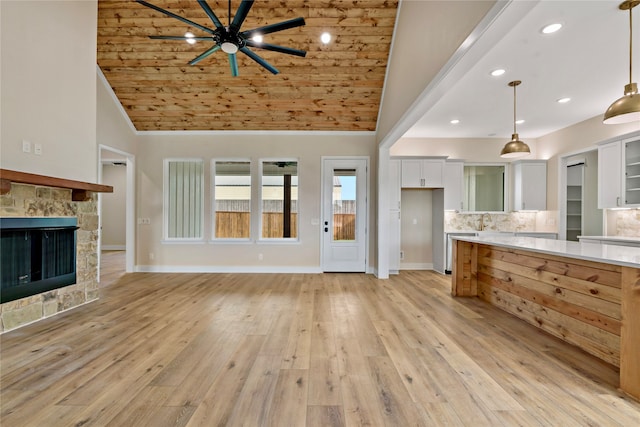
(416, 266)
(113, 247)
(226, 269)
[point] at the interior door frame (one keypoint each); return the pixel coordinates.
(130, 232)
(367, 213)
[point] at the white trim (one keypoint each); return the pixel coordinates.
(130, 206)
(253, 132)
(115, 99)
(113, 248)
(367, 159)
(227, 269)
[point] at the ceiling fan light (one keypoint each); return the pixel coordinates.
(229, 47)
(515, 148)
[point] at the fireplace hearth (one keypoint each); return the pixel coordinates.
(38, 254)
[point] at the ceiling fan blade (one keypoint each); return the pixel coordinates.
(268, 29)
(241, 14)
(178, 17)
(233, 62)
(204, 54)
(276, 48)
(209, 12)
(259, 60)
(180, 38)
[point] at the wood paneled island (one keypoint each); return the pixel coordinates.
(587, 294)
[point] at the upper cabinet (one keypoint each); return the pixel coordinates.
(609, 175)
(530, 185)
(423, 173)
(453, 185)
(619, 174)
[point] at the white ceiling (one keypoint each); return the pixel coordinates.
(587, 60)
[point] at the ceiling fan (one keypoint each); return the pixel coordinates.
(229, 38)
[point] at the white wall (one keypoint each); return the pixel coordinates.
(309, 149)
(416, 239)
(414, 60)
(114, 207)
(48, 82)
(113, 128)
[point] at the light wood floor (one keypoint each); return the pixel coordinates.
(298, 350)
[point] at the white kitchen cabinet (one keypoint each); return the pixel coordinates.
(530, 185)
(453, 185)
(631, 181)
(610, 175)
(423, 173)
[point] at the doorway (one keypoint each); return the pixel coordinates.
(121, 167)
(344, 214)
(578, 196)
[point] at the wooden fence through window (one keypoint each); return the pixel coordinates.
(238, 225)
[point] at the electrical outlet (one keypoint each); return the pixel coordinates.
(26, 146)
(260, 257)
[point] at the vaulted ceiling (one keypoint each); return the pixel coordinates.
(337, 86)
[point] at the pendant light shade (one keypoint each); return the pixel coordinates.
(627, 108)
(515, 148)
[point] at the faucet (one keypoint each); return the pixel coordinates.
(482, 218)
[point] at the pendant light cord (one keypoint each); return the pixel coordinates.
(514, 109)
(630, 43)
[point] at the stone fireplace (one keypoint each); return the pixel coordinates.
(27, 200)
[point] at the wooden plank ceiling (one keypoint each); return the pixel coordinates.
(335, 87)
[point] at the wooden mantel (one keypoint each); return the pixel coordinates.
(81, 191)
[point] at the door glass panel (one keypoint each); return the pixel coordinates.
(344, 205)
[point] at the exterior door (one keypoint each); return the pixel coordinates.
(344, 222)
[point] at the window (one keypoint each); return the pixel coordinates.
(184, 179)
(484, 188)
(232, 199)
(279, 199)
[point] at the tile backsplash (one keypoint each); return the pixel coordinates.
(625, 222)
(511, 221)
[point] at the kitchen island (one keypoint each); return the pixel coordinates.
(587, 294)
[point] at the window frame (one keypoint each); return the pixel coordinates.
(166, 199)
(213, 200)
(259, 200)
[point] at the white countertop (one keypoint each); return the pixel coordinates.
(613, 238)
(611, 254)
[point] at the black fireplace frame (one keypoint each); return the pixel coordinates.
(38, 239)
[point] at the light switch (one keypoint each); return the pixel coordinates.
(37, 149)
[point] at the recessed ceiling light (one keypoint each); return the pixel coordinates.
(325, 38)
(563, 100)
(497, 72)
(257, 38)
(454, 121)
(551, 28)
(519, 122)
(190, 38)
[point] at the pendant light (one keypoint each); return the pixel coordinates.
(627, 108)
(514, 148)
